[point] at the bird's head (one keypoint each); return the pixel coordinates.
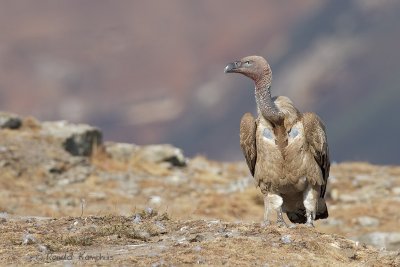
(254, 67)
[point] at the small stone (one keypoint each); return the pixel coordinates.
(333, 222)
(28, 239)
(137, 218)
(3, 217)
(367, 221)
(396, 190)
(388, 240)
(286, 239)
(182, 241)
(120, 151)
(10, 121)
(149, 211)
(348, 198)
(197, 248)
(350, 253)
(335, 245)
(163, 153)
(160, 225)
(184, 228)
(155, 200)
(158, 264)
(196, 238)
(77, 139)
(43, 248)
(142, 235)
(334, 194)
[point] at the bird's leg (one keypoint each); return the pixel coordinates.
(310, 200)
(266, 210)
(280, 221)
(310, 219)
(273, 202)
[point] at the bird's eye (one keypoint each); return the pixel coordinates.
(247, 62)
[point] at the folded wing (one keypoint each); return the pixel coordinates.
(248, 127)
(316, 137)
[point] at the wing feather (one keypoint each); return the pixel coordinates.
(248, 127)
(316, 136)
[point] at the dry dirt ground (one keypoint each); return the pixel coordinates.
(157, 240)
(139, 205)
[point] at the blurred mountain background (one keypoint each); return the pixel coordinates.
(152, 71)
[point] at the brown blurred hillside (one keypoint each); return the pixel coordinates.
(152, 72)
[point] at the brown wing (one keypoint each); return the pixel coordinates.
(316, 137)
(248, 127)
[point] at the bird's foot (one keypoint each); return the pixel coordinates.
(309, 224)
(279, 220)
(265, 223)
(281, 224)
(310, 220)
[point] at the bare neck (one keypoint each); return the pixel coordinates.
(265, 103)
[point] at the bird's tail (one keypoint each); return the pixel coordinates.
(299, 216)
(322, 212)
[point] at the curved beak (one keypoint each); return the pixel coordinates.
(232, 67)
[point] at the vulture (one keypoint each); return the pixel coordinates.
(286, 151)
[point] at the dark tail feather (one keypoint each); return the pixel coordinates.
(322, 212)
(299, 216)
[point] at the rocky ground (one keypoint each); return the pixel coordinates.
(67, 197)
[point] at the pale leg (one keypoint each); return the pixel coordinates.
(280, 221)
(273, 202)
(266, 210)
(310, 200)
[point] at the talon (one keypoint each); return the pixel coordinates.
(310, 220)
(280, 221)
(282, 224)
(265, 223)
(309, 224)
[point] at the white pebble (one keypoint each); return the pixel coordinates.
(286, 239)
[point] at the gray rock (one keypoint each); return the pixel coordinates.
(367, 221)
(155, 201)
(162, 153)
(77, 139)
(152, 153)
(196, 238)
(161, 226)
(197, 248)
(388, 240)
(10, 121)
(142, 235)
(149, 211)
(28, 239)
(43, 248)
(67, 170)
(137, 218)
(396, 190)
(348, 198)
(120, 151)
(286, 239)
(332, 221)
(3, 217)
